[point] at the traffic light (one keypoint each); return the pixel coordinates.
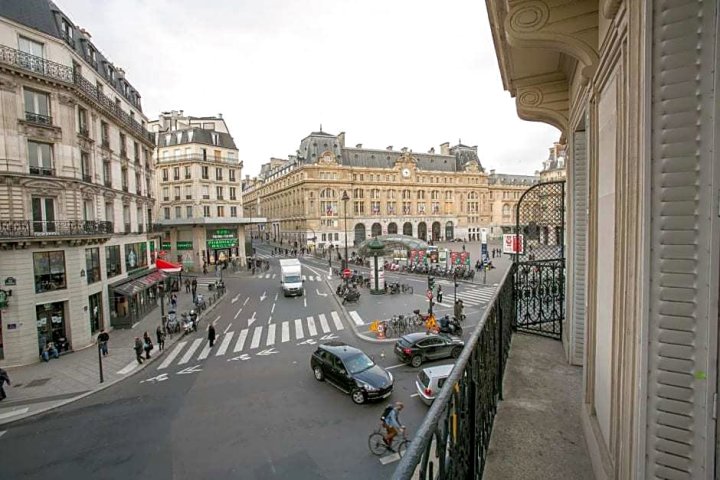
(431, 283)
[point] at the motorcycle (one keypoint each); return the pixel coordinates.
(200, 301)
(194, 320)
(450, 326)
(393, 288)
(186, 323)
(351, 296)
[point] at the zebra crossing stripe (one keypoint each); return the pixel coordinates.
(205, 351)
(169, 359)
(267, 275)
(188, 355)
(312, 331)
(298, 329)
(274, 274)
(323, 323)
(271, 335)
(304, 277)
(285, 332)
(240, 344)
(225, 344)
(336, 320)
(356, 318)
(256, 337)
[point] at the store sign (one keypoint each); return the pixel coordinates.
(166, 245)
(222, 243)
(184, 245)
(223, 233)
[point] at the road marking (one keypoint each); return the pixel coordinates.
(305, 301)
(285, 332)
(244, 356)
(235, 298)
(216, 319)
(323, 323)
(227, 328)
(393, 457)
(12, 413)
(256, 338)
(298, 329)
(414, 395)
(267, 275)
(304, 277)
(160, 378)
(269, 351)
(205, 351)
(246, 300)
(225, 343)
(252, 319)
(241, 340)
(237, 314)
(329, 336)
(272, 310)
(336, 320)
(309, 341)
(128, 368)
(395, 366)
(274, 275)
(3, 432)
(169, 359)
(271, 335)
(276, 295)
(263, 296)
(356, 318)
(194, 369)
(188, 355)
(320, 294)
(269, 319)
(312, 331)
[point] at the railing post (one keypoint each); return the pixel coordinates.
(501, 346)
(472, 448)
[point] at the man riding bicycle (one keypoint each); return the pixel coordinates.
(392, 424)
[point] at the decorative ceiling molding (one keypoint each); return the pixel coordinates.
(546, 102)
(610, 8)
(571, 30)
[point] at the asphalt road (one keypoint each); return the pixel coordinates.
(248, 408)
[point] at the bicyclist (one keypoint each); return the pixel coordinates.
(392, 424)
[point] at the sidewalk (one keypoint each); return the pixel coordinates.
(537, 432)
(42, 386)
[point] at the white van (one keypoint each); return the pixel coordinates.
(291, 277)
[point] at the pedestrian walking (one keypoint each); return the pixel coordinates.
(138, 349)
(160, 336)
(439, 294)
(103, 340)
(4, 377)
(187, 285)
(211, 334)
(173, 301)
(147, 345)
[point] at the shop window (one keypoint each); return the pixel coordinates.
(49, 270)
(95, 304)
(50, 320)
(112, 261)
(135, 255)
(92, 265)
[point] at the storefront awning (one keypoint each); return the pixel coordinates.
(166, 266)
(139, 284)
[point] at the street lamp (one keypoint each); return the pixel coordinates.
(345, 199)
(161, 294)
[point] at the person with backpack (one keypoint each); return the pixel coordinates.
(391, 422)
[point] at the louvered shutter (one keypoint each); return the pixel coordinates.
(579, 250)
(682, 74)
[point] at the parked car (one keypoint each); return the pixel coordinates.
(351, 371)
(430, 380)
(416, 348)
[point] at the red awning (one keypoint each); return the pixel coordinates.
(166, 266)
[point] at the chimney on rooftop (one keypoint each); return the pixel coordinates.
(492, 172)
(432, 150)
(359, 145)
(403, 149)
(341, 139)
(445, 148)
(389, 147)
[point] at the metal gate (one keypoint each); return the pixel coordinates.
(540, 260)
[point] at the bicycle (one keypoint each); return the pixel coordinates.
(377, 445)
(405, 288)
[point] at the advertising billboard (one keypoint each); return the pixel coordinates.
(513, 243)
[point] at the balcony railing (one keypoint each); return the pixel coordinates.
(125, 188)
(105, 143)
(87, 178)
(127, 228)
(140, 228)
(84, 131)
(108, 183)
(63, 73)
(155, 227)
(453, 440)
(38, 118)
(139, 191)
(48, 171)
(123, 153)
(62, 228)
(197, 157)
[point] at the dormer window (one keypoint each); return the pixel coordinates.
(179, 137)
(215, 138)
(67, 31)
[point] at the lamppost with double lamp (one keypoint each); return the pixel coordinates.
(345, 199)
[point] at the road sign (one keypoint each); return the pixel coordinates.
(429, 294)
(346, 273)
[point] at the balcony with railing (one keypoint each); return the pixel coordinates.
(63, 73)
(45, 171)
(127, 228)
(199, 158)
(87, 178)
(84, 131)
(38, 118)
(56, 228)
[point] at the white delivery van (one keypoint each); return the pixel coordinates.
(291, 277)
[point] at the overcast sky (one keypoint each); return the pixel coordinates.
(407, 73)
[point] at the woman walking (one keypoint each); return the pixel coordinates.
(138, 350)
(147, 345)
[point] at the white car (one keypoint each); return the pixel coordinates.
(430, 380)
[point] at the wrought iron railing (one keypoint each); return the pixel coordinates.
(87, 178)
(48, 171)
(199, 158)
(57, 71)
(453, 440)
(29, 228)
(38, 118)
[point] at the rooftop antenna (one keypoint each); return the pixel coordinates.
(321, 128)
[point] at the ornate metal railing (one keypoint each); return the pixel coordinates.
(453, 440)
(57, 71)
(199, 158)
(38, 118)
(63, 228)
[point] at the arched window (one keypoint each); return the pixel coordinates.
(327, 193)
(506, 209)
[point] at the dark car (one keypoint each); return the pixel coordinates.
(415, 348)
(351, 371)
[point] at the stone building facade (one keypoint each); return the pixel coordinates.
(433, 196)
(633, 88)
(199, 190)
(76, 187)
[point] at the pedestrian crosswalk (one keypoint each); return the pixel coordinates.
(471, 296)
(307, 278)
(257, 337)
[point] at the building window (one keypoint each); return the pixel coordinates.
(233, 212)
(178, 212)
(30, 46)
(206, 192)
(375, 208)
(92, 265)
(166, 194)
(219, 193)
(109, 212)
(176, 173)
(189, 211)
(49, 270)
(359, 208)
(43, 212)
(220, 211)
(233, 193)
(83, 127)
(37, 107)
(218, 174)
(85, 166)
(205, 173)
(188, 192)
(187, 173)
(112, 261)
(107, 173)
(123, 145)
(124, 178)
(135, 255)
(231, 174)
(105, 134)
(166, 213)
(176, 191)
(40, 158)
(206, 211)
(165, 175)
